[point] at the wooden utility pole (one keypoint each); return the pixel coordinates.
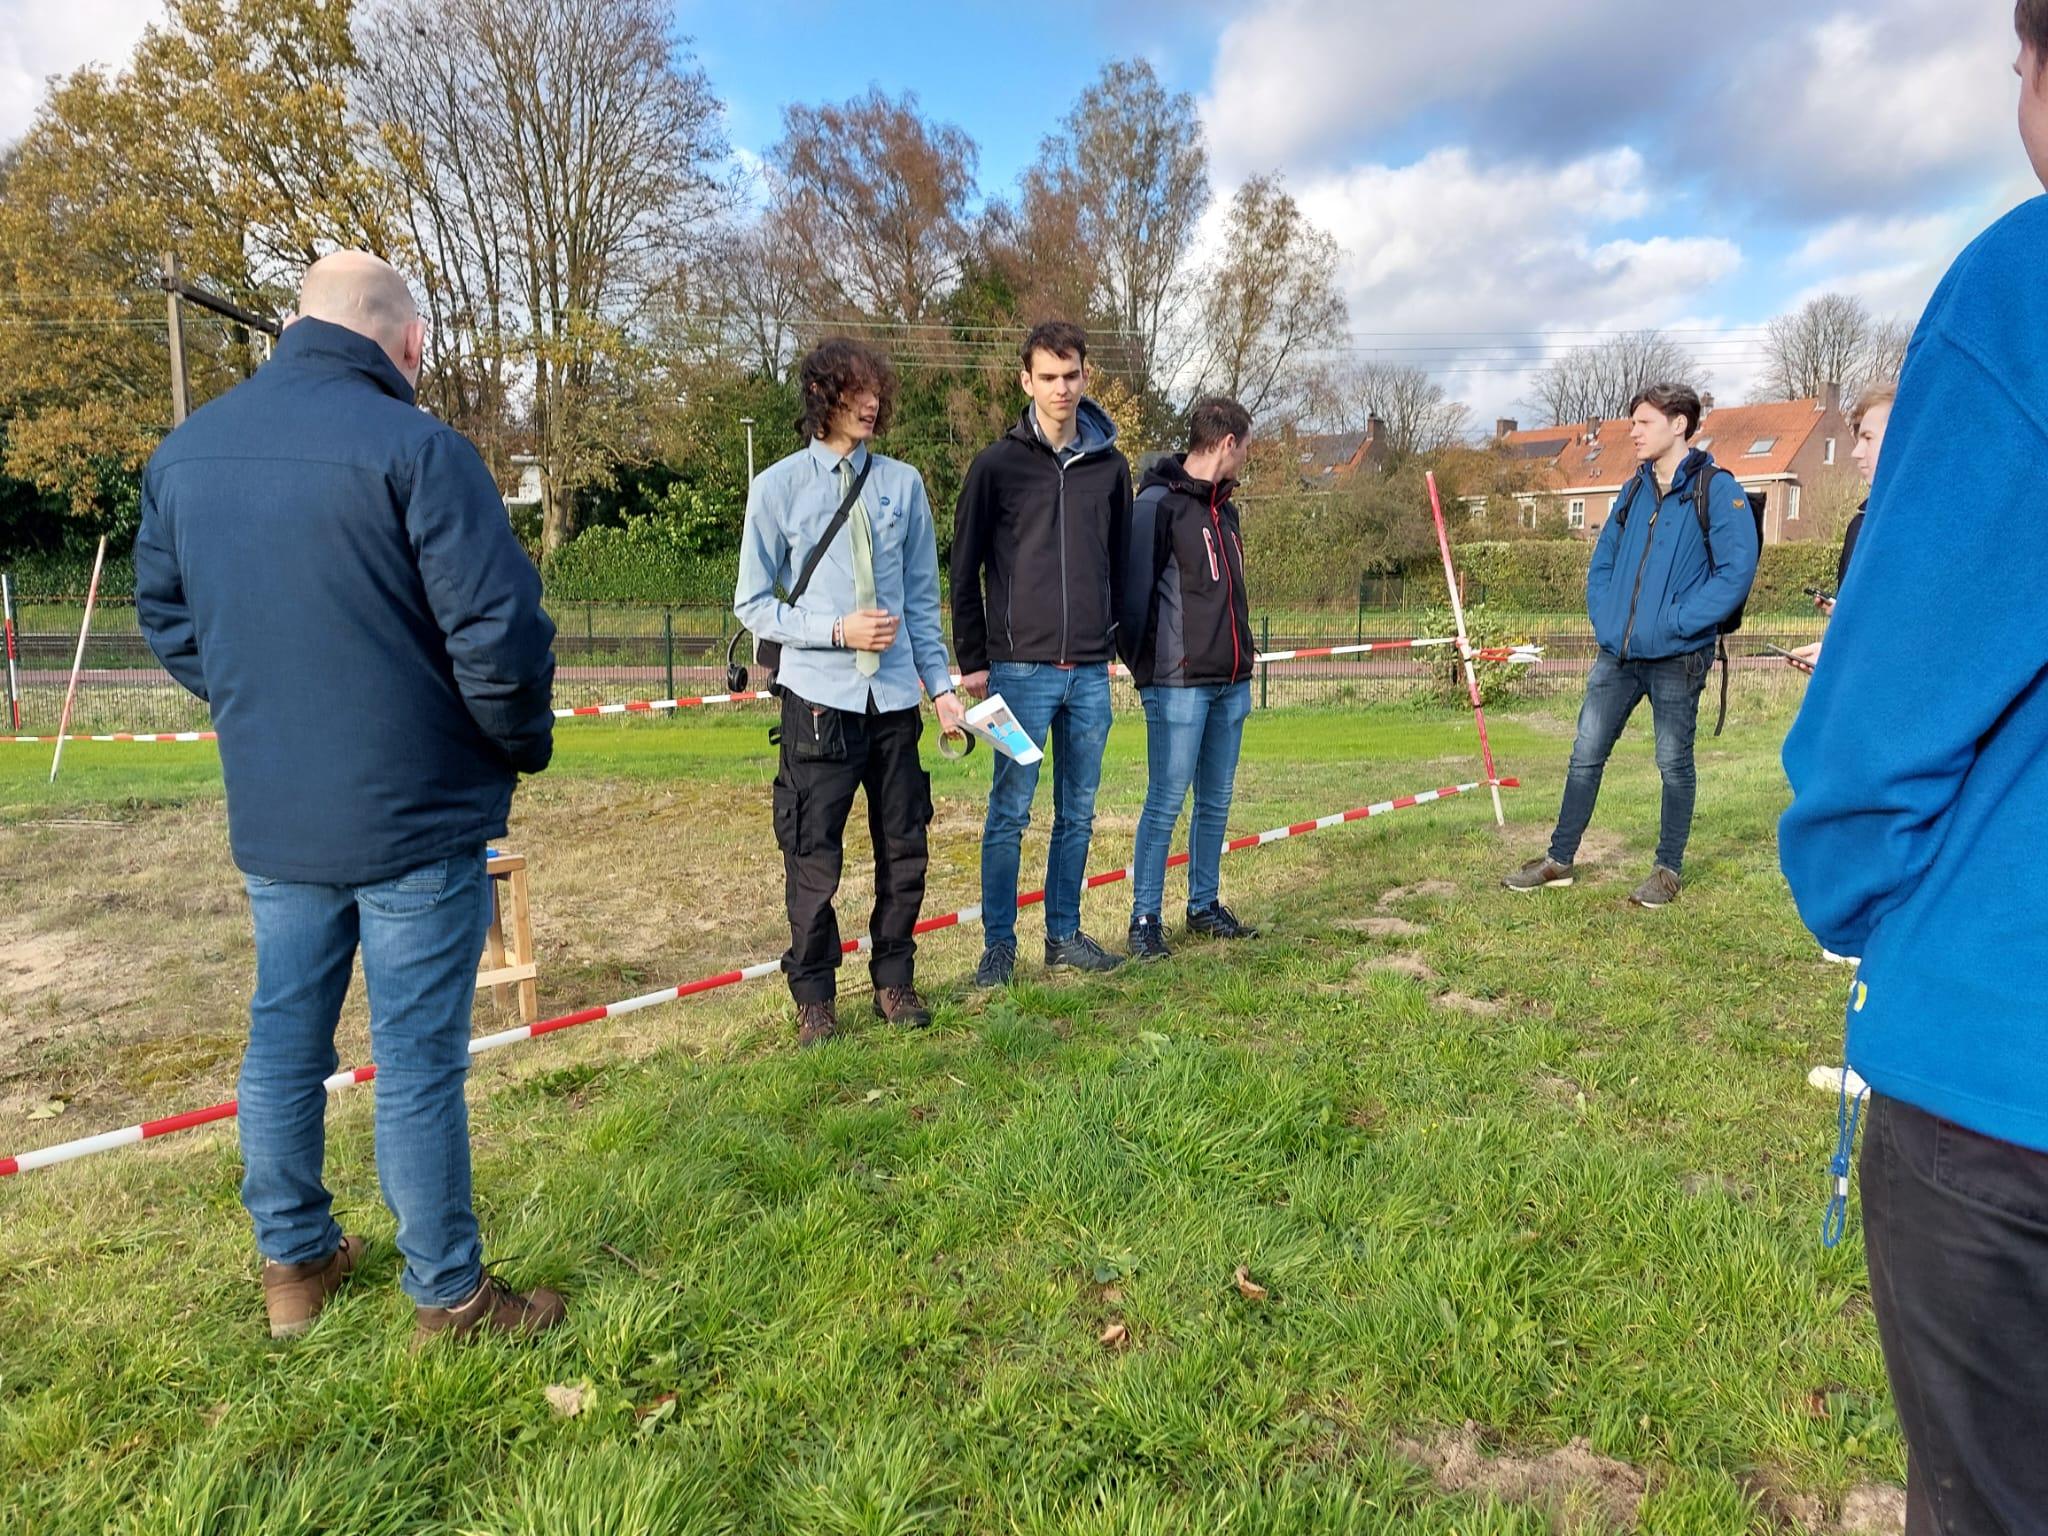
(176, 289)
(180, 407)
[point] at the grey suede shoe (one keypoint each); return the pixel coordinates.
(1660, 890)
(1539, 874)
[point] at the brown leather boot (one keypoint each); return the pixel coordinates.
(902, 1005)
(815, 1022)
(293, 1294)
(494, 1308)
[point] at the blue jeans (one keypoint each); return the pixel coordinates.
(1064, 711)
(1613, 690)
(420, 935)
(1191, 738)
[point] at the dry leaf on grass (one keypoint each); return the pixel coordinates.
(1115, 1336)
(49, 1109)
(1249, 1288)
(568, 1402)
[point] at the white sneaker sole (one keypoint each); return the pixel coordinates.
(1829, 1080)
(1531, 890)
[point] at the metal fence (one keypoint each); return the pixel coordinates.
(612, 652)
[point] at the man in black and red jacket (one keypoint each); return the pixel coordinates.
(1185, 631)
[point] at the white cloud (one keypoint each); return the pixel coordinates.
(1457, 265)
(1296, 78)
(1863, 106)
(40, 38)
(1854, 108)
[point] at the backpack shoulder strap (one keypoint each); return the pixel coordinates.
(1702, 500)
(1627, 497)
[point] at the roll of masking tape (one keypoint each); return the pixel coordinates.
(954, 754)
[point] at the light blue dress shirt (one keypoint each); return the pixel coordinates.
(788, 510)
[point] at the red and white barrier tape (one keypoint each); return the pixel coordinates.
(149, 1130)
(1513, 655)
(127, 736)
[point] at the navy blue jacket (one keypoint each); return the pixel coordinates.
(331, 569)
(1649, 590)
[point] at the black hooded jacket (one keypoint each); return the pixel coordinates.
(1046, 533)
(1185, 619)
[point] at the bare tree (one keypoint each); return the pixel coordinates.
(1884, 355)
(1417, 418)
(1270, 302)
(756, 278)
(877, 198)
(1600, 381)
(573, 152)
(1826, 342)
(1129, 168)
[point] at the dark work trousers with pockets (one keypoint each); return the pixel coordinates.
(827, 754)
(1956, 1228)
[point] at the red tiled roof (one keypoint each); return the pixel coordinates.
(1729, 432)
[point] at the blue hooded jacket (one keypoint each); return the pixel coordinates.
(1649, 591)
(1919, 762)
(331, 569)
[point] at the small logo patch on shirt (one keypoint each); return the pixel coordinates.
(1862, 996)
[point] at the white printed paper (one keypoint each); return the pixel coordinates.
(992, 721)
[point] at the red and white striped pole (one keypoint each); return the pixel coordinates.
(149, 1130)
(78, 662)
(1443, 543)
(13, 677)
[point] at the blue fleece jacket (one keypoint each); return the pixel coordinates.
(1919, 762)
(331, 569)
(1649, 590)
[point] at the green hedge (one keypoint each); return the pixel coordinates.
(635, 564)
(1549, 575)
(68, 575)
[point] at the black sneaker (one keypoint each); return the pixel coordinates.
(1218, 922)
(1080, 953)
(998, 964)
(1148, 940)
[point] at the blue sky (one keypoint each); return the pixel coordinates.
(1502, 176)
(1534, 170)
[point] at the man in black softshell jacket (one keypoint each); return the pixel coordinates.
(1037, 543)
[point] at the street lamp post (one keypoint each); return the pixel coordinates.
(748, 423)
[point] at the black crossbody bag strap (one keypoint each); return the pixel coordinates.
(839, 521)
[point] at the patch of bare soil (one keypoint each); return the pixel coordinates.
(1578, 1489)
(1479, 1007)
(1412, 966)
(125, 966)
(1381, 927)
(1435, 889)
(1873, 1509)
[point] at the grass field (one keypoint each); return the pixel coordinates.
(1525, 1191)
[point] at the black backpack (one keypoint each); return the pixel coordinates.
(1702, 492)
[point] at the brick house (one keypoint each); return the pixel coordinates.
(1794, 451)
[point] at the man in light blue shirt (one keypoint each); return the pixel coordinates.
(860, 646)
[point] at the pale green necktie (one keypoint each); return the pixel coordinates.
(867, 663)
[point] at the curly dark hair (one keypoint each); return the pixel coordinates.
(834, 370)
